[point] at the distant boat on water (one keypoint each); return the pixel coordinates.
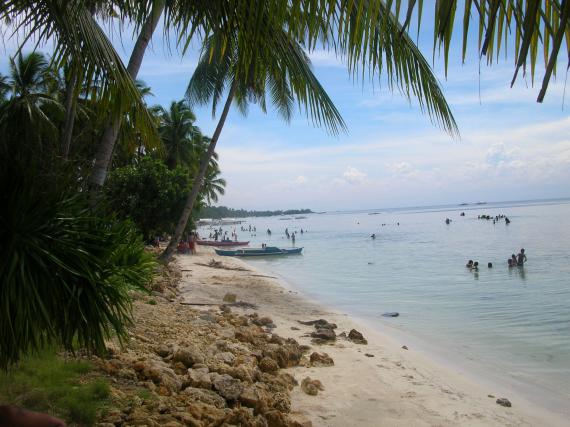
(374, 213)
(481, 203)
(226, 243)
(300, 217)
(268, 250)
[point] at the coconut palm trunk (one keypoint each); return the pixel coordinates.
(70, 109)
(198, 181)
(107, 143)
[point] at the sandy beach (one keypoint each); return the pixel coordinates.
(378, 383)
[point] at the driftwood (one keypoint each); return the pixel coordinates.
(219, 265)
(199, 303)
(261, 275)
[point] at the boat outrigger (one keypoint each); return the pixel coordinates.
(268, 250)
(226, 243)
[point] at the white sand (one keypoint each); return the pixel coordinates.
(396, 387)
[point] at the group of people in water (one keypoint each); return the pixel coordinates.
(514, 261)
(495, 218)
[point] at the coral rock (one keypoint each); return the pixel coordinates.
(321, 359)
(356, 337)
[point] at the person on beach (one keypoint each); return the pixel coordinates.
(475, 266)
(521, 258)
(489, 265)
(507, 221)
(192, 244)
(293, 239)
(514, 259)
(510, 263)
(469, 264)
(373, 236)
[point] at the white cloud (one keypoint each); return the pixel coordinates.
(353, 176)
(325, 58)
(300, 180)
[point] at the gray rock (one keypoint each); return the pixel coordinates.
(227, 386)
(324, 334)
(188, 356)
(205, 396)
(225, 357)
(503, 401)
(319, 324)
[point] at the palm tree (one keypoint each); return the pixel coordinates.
(24, 116)
(214, 186)
(181, 139)
(287, 76)
(111, 131)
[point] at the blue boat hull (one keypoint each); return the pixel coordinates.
(271, 250)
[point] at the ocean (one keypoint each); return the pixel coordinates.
(509, 324)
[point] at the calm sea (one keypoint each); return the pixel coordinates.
(514, 323)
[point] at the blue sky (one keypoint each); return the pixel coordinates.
(511, 147)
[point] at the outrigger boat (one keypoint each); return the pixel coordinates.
(221, 243)
(268, 250)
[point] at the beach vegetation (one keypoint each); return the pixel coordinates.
(47, 382)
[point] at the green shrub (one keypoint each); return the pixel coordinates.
(66, 270)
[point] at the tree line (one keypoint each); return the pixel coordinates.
(219, 212)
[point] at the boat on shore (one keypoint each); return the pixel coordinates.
(226, 243)
(268, 250)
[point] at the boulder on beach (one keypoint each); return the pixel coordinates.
(357, 337)
(188, 356)
(503, 401)
(324, 335)
(311, 387)
(318, 324)
(321, 359)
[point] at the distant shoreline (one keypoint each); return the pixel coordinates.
(220, 212)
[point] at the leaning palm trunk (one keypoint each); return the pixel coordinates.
(70, 109)
(107, 143)
(198, 181)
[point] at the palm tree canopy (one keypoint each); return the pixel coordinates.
(286, 78)
(25, 115)
(81, 44)
(181, 139)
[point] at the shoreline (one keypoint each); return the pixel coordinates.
(394, 387)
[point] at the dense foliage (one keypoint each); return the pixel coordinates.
(66, 270)
(149, 193)
(218, 212)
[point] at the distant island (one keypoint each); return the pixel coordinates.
(218, 212)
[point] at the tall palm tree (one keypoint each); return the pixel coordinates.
(181, 139)
(24, 116)
(287, 76)
(111, 131)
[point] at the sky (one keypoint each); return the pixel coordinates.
(510, 147)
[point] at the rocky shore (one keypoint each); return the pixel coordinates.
(218, 343)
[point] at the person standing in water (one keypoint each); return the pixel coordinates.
(293, 238)
(521, 258)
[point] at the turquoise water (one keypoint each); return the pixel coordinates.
(515, 322)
